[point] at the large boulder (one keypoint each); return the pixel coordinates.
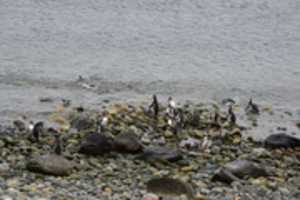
(127, 143)
(51, 164)
(282, 140)
(161, 153)
(239, 169)
(96, 144)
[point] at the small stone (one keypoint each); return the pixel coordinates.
(261, 152)
(146, 140)
(4, 168)
(200, 197)
(187, 168)
(150, 197)
(14, 182)
(2, 144)
(168, 134)
(6, 197)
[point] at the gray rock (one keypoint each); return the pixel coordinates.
(162, 153)
(127, 143)
(238, 169)
(96, 144)
(4, 168)
(51, 164)
(282, 140)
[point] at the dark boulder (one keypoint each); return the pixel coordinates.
(170, 187)
(127, 143)
(50, 164)
(239, 169)
(96, 144)
(281, 140)
(161, 153)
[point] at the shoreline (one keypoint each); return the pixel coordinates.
(110, 175)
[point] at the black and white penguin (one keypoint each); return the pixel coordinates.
(57, 146)
(231, 115)
(171, 108)
(252, 108)
(101, 124)
(154, 106)
(37, 129)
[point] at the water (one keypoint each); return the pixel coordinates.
(130, 49)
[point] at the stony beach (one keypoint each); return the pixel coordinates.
(137, 147)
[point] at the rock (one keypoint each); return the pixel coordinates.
(281, 140)
(20, 125)
(12, 183)
(6, 197)
(190, 144)
(46, 99)
(261, 152)
(170, 186)
(127, 143)
(150, 196)
(2, 144)
(96, 144)
(237, 169)
(4, 168)
(82, 121)
(50, 164)
(163, 153)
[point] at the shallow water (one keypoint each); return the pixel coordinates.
(199, 50)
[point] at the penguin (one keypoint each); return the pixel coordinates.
(155, 106)
(37, 130)
(57, 146)
(66, 102)
(252, 108)
(101, 124)
(171, 107)
(232, 117)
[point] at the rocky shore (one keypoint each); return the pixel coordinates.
(205, 149)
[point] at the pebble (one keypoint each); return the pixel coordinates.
(4, 168)
(150, 196)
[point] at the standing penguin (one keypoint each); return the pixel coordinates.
(155, 106)
(171, 108)
(57, 147)
(252, 108)
(232, 117)
(101, 123)
(37, 130)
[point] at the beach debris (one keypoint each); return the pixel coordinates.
(170, 187)
(281, 140)
(238, 169)
(252, 108)
(46, 99)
